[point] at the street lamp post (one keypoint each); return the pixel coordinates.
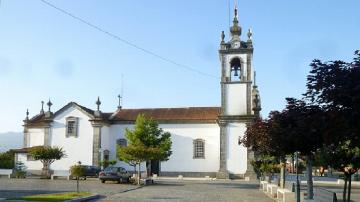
(297, 178)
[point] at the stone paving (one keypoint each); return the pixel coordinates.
(168, 190)
(195, 191)
(22, 187)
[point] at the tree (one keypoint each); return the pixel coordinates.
(7, 160)
(47, 155)
(266, 165)
(126, 158)
(345, 158)
(77, 171)
(147, 142)
(298, 128)
(335, 86)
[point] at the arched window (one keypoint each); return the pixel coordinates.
(235, 71)
(199, 149)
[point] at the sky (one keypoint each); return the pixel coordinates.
(47, 54)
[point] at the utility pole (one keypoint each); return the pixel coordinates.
(297, 178)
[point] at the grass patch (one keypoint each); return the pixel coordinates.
(53, 197)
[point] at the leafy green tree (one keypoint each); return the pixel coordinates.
(266, 165)
(126, 158)
(7, 160)
(147, 142)
(345, 158)
(77, 171)
(47, 155)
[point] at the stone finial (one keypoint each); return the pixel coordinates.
(49, 104)
(27, 115)
(42, 107)
(98, 103)
(119, 106)
(249, 34)
(97, 113)
(222, 37)
(235, 29)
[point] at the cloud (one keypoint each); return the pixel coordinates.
(64, 69)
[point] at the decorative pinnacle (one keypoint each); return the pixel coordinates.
(49, 104)
(27, 114)
(236, 11)
(222, 36)
(98, 103)
(119, 106)
(250, 34)
(42, 107)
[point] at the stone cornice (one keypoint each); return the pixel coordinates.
(237, 51)
(171, 122)
(236, 118)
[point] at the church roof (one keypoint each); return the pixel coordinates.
(162, 115)
(189, 114)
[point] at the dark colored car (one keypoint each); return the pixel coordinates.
(113, 173)
(91, 171)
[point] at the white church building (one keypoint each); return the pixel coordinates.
(205, 140)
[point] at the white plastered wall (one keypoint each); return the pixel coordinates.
(36, 137)
(182, 136)
(30, 165)
(236, 100)
(77, 148)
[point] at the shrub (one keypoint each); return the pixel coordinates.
(7, 160)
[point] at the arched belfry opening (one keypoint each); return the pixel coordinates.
(235, 69)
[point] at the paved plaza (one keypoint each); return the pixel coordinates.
(162, 191)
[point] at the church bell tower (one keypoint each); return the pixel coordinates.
(240, 99)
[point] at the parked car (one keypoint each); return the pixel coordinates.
(113, 173)
(91, 171)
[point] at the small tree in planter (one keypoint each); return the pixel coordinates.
(20, 170)
(77, 171)
(47, 156)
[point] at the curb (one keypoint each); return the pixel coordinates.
(85, 198)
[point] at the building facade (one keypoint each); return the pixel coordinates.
(205, 139)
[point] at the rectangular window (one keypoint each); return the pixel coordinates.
(71, 127)
(121, 142)
(199, 149)
(30, 158)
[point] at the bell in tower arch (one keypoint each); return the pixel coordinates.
(235, 69)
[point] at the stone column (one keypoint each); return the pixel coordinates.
(250, 173)
(46, 136)
(26, 137)
(223, 172)
(96, 144)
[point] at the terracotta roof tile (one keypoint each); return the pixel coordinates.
(170, 114)
(189, 114)
(24, 150)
